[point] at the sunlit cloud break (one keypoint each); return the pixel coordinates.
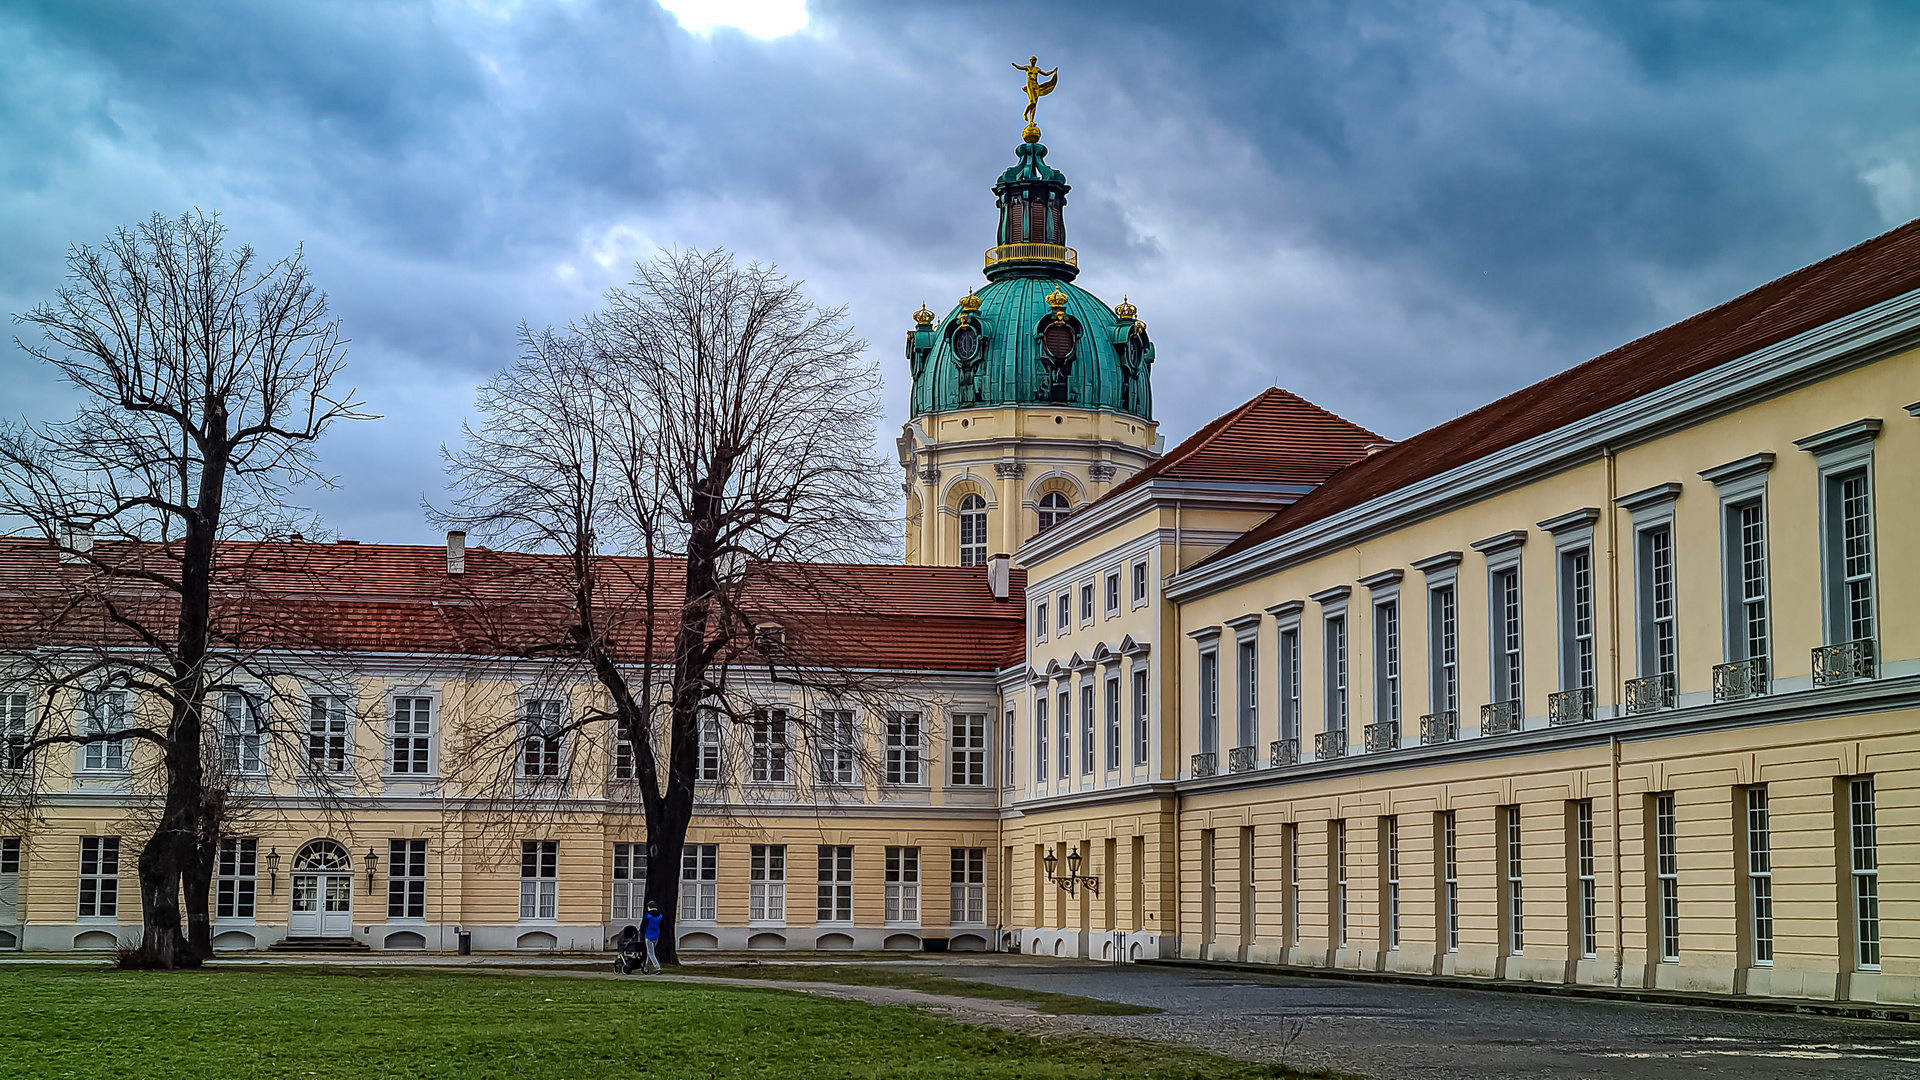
(760, 18)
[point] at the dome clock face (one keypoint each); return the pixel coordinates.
(966, 343)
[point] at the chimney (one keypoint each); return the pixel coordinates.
(999, 576)
(78, 542)
(456, 551)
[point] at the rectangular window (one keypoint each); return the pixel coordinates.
(1063, 723)
(243, 734)
(836, 884)
(1849, 552)
(1336, 633)
(410, 733)
(1393, 882)
(539, 880)
(629, 881)
(1087, 746)
(1576, 619)
(1760, 874)
(1450, 875)
(1340, 881)
(106, 713)
(768, 759)
(234, 888)
(1040, 621)
(1293, 883)
(699, 882)
(326, 734)
(1063, 612)
(1667, 870)
(903, 748)
(838, 747)
(10, 855)
(1658, 644)
(1139, 582)
(1210, 702)
(1386, 661)
(99, 877)
(1086, 602)
(1516, 910)
(967, 761)
(1113, 722)
(767, 884)
(13, 731)
(1747, 527)
(1140, 703)
(1443, 634)
(1589, 900)
(1865, 841)
(1247, 730)
(903, 885)
(625, 765)
(1290, 683)
(1006, 741)
(407, 879)
(543, 739)
(711, 746)
(969, 875)
(1504, 612)
(1113, 593)
(1040, 736)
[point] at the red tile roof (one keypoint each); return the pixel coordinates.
(1277, 437)
(395, 598)
(1878, 270)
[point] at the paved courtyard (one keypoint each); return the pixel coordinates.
(1398, 1032)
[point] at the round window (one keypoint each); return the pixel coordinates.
(966, 343)
(1058, 340)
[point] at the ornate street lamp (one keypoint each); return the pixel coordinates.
(273, 871)
(1072, 877)
(373, 863)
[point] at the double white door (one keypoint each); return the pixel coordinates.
(322, 905)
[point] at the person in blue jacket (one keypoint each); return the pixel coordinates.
(650, 929)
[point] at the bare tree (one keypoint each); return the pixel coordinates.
(712, 422)
(207, 375)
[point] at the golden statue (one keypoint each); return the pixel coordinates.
(1035, 88)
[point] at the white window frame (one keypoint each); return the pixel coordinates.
(1450, 877)
(1063, 729)
(837, 747)
(1587, 912)
(1142, 583)
(1575, 600)
(418, 731)
(1063, 613)
(629, 875)
(1087, 603)
(1040, 627)
(1759, 858)
(767, 885)
(1840, 454)
(710, 767)
(973, 530)
(99, 880)
(100, 708)
(1208, 689)
(407, 880)
(1742, 487)
(236, 880)
(834, 893)
(1246, 680)
(1384, 631)
(902, 877)
(243, 737)
(540, 882)
(967, 873)
(1007, 737)
(967, 758)
(1656, 623)
(1863, 842)
(543, 742)
(1287, 643)
(1666, 855)
(1115, 737)
(699, 885)
(905, 765)
(770, 757)
(1341, 895)
(1140, 682)
(1111, 603)
(1506, 618)
(1336, 655)
(1392, 831)
(1515, 871)
(329, 742)
(1089, 732)
(15, 705)
(1041, 692)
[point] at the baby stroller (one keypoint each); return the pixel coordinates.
(631, 950)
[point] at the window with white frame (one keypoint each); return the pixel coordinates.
(1087, 743)
(99, 877)
(1209, 701)
(1336, 674)
(1114, 738)
(1450, 878)
(1247, 715)
(903, 886)
(837, 746)
(1063, 719)
(1666, 854)
(410, 734)
(1053, 510)
(1443, 650)
(969, 878)
(767, 884)
(835, 899)
(626, 765)
(407, 879)
(1340, 881)
(13, 730)
(973, 531)
(1747, 591)
(539, 880)
(903, 748)
(1141, 705)
(1140, 582)
(1659, 644)
(1392, 830)
(1113, 593)
(1291, 839)
(712, 746)
(1516, 897)
(1040, 621)
(1289, 662)
(1845, 459)
(327, 733)
(543, 739)
(1760, 875)
(967, 760)
(1386, 661)
(242, 734)
(768, 760)
(1576, 619)
(235, 882)
(1587, 912)
(1040, 734)
(106, 713)
(1006, 742)
(1086, 602)
(629, 881)
(1063, 612)
(1864, 839)
(699, 882)
(1504, 614)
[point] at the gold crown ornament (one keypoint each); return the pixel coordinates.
(923, 317)
(1125, 310)
(969, 303)
(1057, 300)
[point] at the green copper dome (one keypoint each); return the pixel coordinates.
(1031, 336)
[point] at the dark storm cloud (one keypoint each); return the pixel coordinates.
(1400, 210)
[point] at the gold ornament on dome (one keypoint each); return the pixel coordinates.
(1036, 89)
(969, 303)
(1057, 300)
(923, 317)
(1125, 310)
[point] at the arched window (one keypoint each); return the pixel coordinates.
(1053, 510)
(973, 531)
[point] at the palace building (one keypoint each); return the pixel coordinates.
(1614, 681)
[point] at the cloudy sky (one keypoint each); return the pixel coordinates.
(1398, 210)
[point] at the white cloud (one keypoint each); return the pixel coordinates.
(760, 18)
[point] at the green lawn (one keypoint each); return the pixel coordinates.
(356, 1024)
(931, 982)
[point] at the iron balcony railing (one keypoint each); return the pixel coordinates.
(1242, 759)
(1651, 694)
(1383, 736)
(1440, 727)
(1836, 665)
(1205, 765)
(1330, 744)
(1570, 706)
(1284, 752)
(1049, 252)
(1499, 718)
(1741, 679)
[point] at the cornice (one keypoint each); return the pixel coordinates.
(1732, 471)
(1382, 579)
(1646, 498)
(1582, 518)
(1500, 542)
(1842, 437)
(1446, 560)
(1331, 595)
